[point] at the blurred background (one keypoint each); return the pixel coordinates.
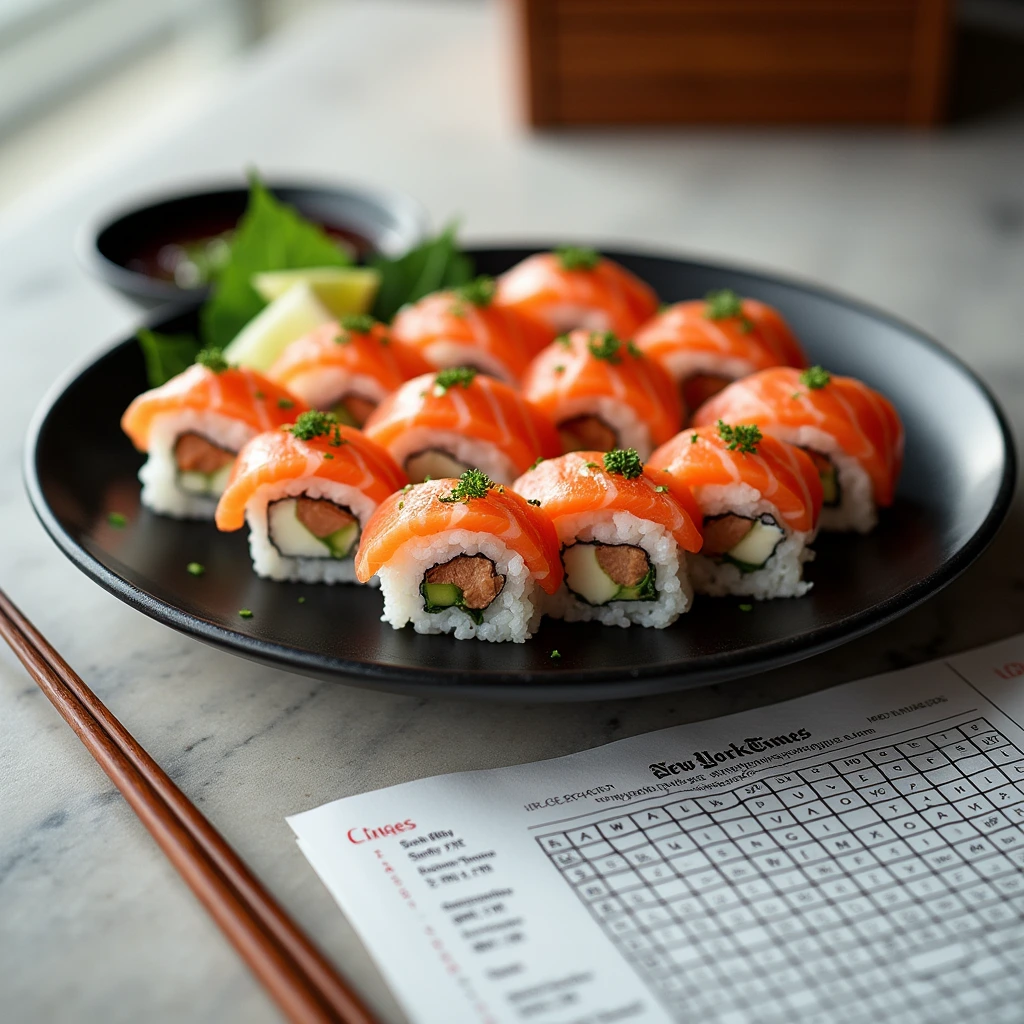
(81, 80)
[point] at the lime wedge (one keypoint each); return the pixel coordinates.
(341, 289)
(258, 344)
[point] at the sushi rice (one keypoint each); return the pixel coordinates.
(672, 583)
(513, 615)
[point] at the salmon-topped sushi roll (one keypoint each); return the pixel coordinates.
(760, 499)
(705, 345)
(441, 424)
(465, 327)
(347, 367)
(603, 393)
(467, 557)
(852, 434)
(573, 287)
(307, 491)
(193, 426)
(623, 537)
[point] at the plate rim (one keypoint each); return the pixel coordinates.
(556, 683)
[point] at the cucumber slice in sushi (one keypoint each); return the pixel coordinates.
(756, 543)
(211, 484)
(290, 532)
(601, 573)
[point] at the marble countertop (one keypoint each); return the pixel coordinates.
(94, 923)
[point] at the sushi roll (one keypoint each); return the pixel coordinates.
(465, 327)
(572, 287)
(192, 428)
(347, 367)
(852, 434)
(467, 557)
(441, 424)
(622, 535)
(705, 345)
(760, 499)
(603, 393)
(307, 491)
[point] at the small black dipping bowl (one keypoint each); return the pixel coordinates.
(117, 246)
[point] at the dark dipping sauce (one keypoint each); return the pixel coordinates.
(191, 257)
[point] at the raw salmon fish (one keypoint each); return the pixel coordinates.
(573, 288)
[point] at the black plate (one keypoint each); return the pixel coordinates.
(954, 493)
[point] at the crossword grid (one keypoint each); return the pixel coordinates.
(888, 885)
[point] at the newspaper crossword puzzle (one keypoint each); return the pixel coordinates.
(851, 889)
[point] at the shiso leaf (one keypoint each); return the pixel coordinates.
(166, 355)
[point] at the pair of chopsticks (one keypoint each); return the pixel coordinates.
(292, 969)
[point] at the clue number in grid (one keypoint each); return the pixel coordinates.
(884, 885)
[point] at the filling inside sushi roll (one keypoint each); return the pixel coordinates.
(698, 387)
(468, 582)
(587, 433)
(203, 467)
(599, 573)
(433, 464)
(829, 475)
(304, 527)
(748, 542)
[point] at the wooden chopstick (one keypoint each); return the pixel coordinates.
(293, 970)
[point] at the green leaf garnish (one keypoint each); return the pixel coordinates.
(815, 377)
(195, 568)
(564, 340)
(573, 257)
(661, 489)
(285, 403)
(634, 350)
(624, 461)
(435, 264)
(244, 613)
(746, 607)
(313, 423)
(212, 358)
(605, 346)
(724, 304)
(117, 519)
(461, 376)
(742, 438)
(472, 484)
(480, 291)
(537, 461)
(361, 323)
(555, 654)
(166, 355)
(270, 236)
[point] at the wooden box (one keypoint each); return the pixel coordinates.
(733, 61)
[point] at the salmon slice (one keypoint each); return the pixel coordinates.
(862, 422)
(593, 293)
(321, 516)
(236, 393)
(449, 329)
(781, 473)
(332, 363)
(692, 345)
(481, 408)
(345, 457)
(578, 482)
(419, 513)
(585, 367)
(724, 532)
(474, 575)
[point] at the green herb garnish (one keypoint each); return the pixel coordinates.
(461, 376)
(117, 519)
(694, 438)
(166, 355)
(313, 423)
(401, 505)
(624, 461)
(480, 291)
(270, 236)
(559, 368)
(328, 455)
(537, 461)
(746, 607)
(244, 613)
(436, 264)
(564, 340)
(533, 501)
(195, 568)
(407, 488)
(590, 465)
(472, 484)
(661, 488)
(555, 654)
(302, 600)
(259, 395)
(572, 257)
(361, 323)
(212, 358)
(285, 403)
(724, 304)
(605, 346)
(742, 438)
(634, 350)
(343, 339)
(815, 377)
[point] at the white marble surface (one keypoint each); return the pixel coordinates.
(94, 925)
